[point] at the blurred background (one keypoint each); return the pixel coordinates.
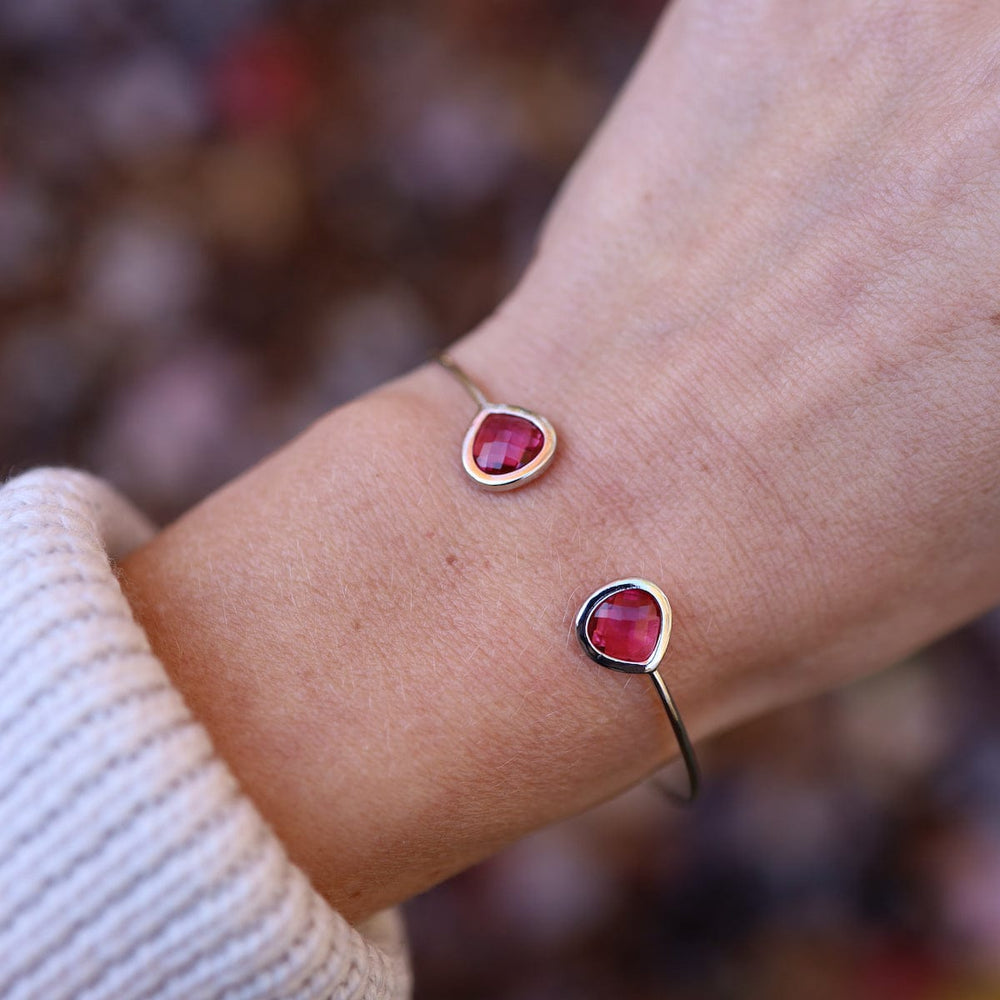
(219, 218)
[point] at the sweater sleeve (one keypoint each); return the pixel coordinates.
(131, 864)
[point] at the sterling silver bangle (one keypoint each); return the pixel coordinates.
(625, 625)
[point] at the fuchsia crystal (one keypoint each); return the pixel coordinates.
(626, 625)
(505, 443)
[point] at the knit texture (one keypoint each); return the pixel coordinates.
(131, 864)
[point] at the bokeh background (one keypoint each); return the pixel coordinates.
(219, 218)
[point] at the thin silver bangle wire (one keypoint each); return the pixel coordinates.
(683, 741)
(477, 394)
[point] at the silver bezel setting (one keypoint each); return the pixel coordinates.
(598, 597)
(518, 477)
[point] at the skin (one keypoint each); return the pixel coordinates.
(764, 318)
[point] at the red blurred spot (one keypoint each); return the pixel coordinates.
(263, 82)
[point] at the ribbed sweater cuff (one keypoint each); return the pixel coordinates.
(131, 864)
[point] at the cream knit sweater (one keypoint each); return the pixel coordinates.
(131, 864)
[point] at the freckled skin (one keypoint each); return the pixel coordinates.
(763, 318)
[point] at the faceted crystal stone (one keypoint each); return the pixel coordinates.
(626, 625)
(505, 442)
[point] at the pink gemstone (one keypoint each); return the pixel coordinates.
(626, 625)
(505, 442)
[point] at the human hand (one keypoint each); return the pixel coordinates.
(760, 318)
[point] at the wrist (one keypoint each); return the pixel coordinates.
(384, 654)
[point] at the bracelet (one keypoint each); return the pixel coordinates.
(624, 625)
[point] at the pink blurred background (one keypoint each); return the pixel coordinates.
(219, 219)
